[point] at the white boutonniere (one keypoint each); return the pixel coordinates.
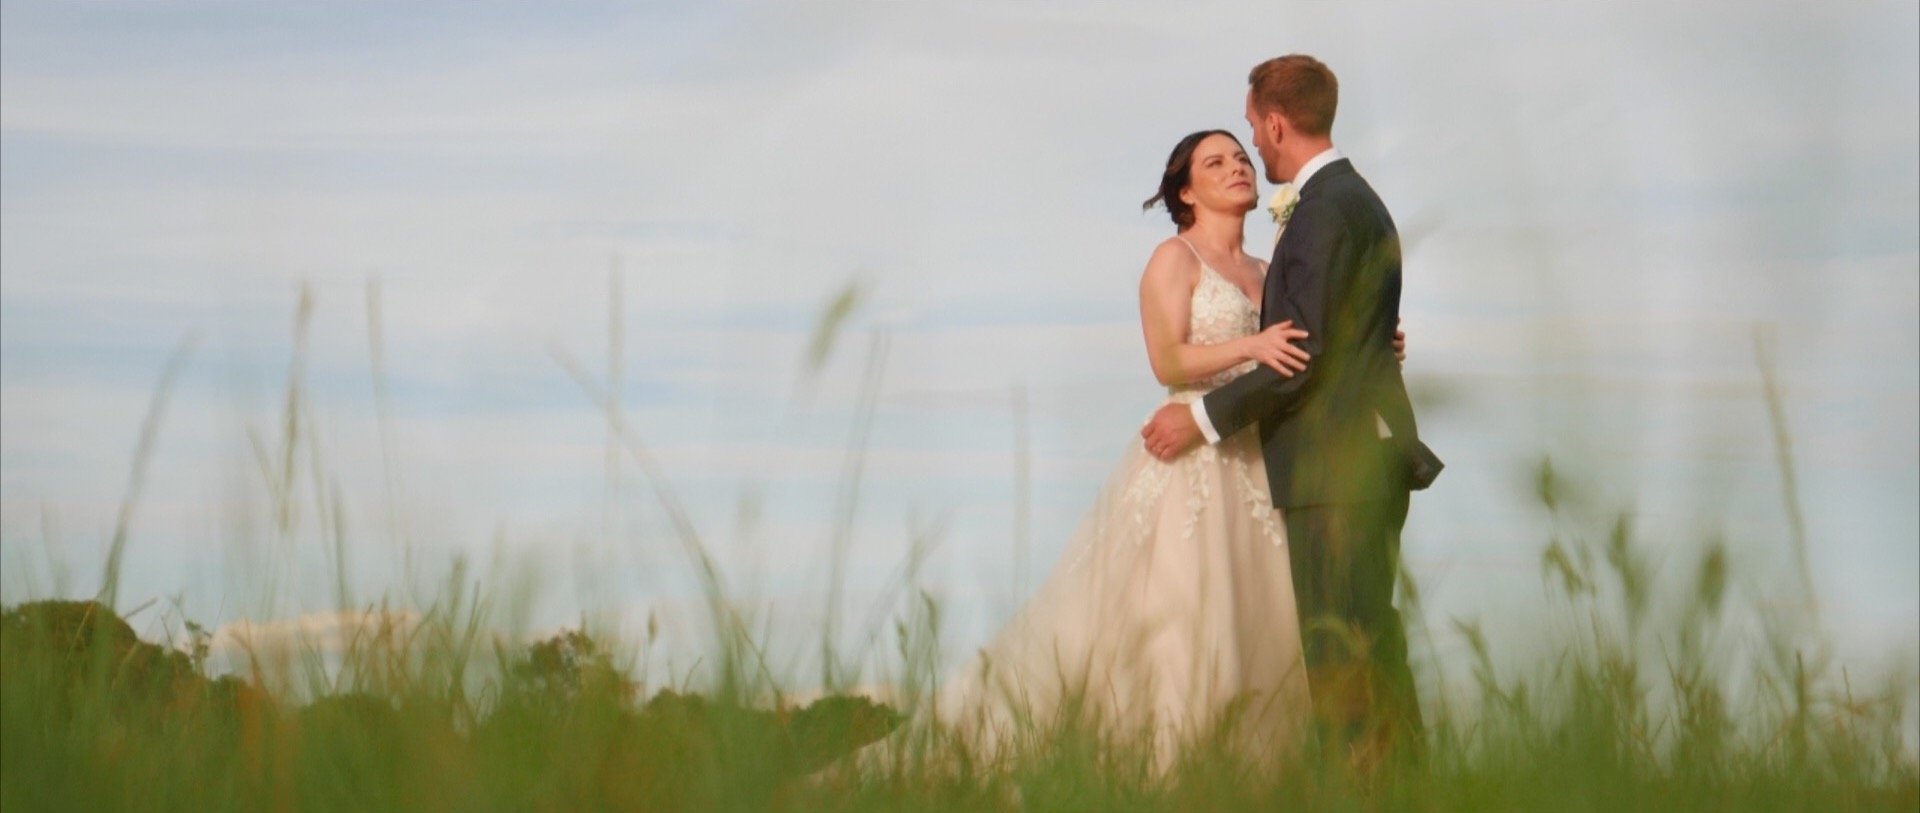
(1281, 206)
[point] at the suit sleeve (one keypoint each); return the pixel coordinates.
(1323, 249)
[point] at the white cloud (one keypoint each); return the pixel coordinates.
(329, 633)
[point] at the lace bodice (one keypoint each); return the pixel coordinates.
(1230, 474)
(1220, 312)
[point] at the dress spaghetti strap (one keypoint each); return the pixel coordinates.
(1196, 252)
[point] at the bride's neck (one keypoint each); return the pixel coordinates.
(1218, 234)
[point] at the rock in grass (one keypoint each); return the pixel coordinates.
(835, 726)
(802, 740)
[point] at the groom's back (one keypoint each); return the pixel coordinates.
(1331, 445)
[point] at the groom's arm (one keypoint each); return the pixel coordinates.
(1323, 249)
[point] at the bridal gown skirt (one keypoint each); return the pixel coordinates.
(1170, 611)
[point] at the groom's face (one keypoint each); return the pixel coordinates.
(1264, 142)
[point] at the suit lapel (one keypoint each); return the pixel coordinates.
(1275, 281)
(1275, 268)
(1275, 290)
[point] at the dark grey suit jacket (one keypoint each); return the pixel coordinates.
(1336, 275)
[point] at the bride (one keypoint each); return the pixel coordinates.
(1171, 611)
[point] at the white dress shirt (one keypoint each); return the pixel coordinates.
(1313, 165)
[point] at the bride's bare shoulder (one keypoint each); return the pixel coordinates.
(1172, 260)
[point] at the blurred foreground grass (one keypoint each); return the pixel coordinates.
(1659, 690)
(435, 714)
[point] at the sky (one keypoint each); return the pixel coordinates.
(1607, 208)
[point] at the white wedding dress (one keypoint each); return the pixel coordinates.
(1173, 601)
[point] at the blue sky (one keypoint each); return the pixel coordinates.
(1601, 202)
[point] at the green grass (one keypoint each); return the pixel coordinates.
(1655, 689)
(434, 715)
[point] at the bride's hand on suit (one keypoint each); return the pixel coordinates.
(1275, 348)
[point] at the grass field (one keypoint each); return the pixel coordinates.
(436, 714)
(1654, 691)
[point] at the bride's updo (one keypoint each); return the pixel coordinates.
(1178, 174)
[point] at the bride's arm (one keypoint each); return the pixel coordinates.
(1166, 297)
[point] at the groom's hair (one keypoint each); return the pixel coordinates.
(1301, 88)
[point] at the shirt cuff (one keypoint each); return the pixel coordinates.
(1206, 426)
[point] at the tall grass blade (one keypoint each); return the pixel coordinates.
(142, 456)
(1763, 352)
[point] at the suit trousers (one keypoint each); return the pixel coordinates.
(1345, 558)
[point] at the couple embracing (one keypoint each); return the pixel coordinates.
(1236, 575)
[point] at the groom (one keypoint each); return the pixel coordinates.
(1341, 447)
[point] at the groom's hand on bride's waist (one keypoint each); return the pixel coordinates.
(1171, 431)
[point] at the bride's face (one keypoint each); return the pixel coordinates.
(1221, 177)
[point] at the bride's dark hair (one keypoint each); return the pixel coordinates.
(1178, 174)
